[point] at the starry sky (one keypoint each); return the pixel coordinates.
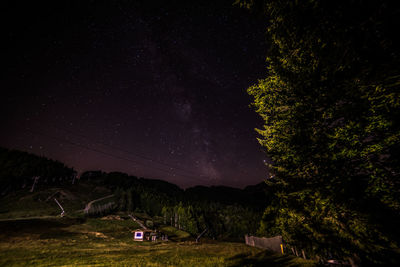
(153, 89)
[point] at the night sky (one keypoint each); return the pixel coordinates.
(156, 90)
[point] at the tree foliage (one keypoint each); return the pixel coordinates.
(221, 221)
(20, 169)
(330, 103)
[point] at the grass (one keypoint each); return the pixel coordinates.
(174, 234)
(22, 203)
(96, 242)
(33, 234)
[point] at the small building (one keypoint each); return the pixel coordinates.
(138, 235)
(143, 234)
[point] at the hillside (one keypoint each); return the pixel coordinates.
(89, 242)
(96, 226)
(31, 185)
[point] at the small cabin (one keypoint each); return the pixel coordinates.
(138, 236)
(148, 235)
(144, 234)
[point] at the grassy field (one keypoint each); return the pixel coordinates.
(96, 242)
(39, 203)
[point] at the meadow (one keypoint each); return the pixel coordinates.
(99, 242)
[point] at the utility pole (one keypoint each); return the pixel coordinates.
(36, 179)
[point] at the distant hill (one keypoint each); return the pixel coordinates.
(20, 169)
(30, 184)
(250, 196)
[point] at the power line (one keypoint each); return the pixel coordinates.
(106, 153)
(122, 150)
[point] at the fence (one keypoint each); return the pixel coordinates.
(273, 243)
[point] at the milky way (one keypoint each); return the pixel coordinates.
(154, 90)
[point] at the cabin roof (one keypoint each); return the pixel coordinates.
(143, 230)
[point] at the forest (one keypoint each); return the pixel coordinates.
(226, 213)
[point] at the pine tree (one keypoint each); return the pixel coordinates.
(330, 103)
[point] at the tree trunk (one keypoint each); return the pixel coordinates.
(304, 254)
(36, 179)
(354, 261)
(200, 235)
(62, 209)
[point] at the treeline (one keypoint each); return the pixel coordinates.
(220, 221)
(21, 170)
(224, 211)
(136, 194)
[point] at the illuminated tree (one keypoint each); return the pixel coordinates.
(330, 103)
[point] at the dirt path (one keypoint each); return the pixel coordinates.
(138, 221)
(89, 205)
